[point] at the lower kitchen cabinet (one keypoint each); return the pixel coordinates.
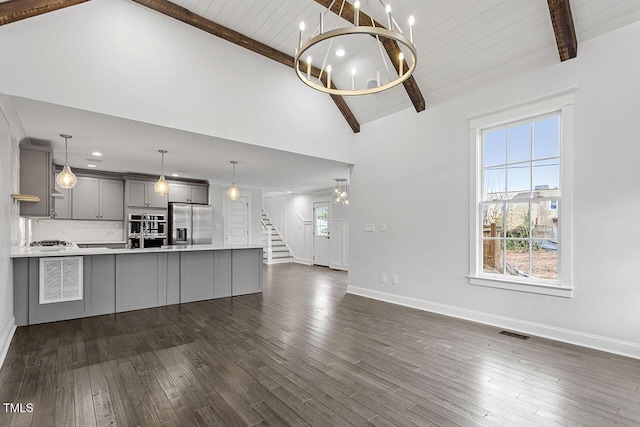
(132, 281)
(140, 281)
(205, 275)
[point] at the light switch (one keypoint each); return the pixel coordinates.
(383, 278)
(369, 228)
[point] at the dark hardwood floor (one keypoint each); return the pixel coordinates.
(305, 353)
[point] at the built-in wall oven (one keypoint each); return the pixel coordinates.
(147, 230)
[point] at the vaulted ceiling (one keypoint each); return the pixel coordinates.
(462, 44)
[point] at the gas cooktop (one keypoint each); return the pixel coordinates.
(49, 243)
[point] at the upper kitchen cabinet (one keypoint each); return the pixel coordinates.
(142, 194)
(98, 198)
(187, 193)
(35, 179)
(62, 205)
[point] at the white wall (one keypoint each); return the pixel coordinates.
(76, 231)
(292, 216)
(11, 133)
(119, 58)
(412, 172)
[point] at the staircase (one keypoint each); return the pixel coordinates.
(275, 249)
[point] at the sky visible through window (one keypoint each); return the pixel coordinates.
(511, 153)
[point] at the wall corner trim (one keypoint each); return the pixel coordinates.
(597, 342)
(5, 339)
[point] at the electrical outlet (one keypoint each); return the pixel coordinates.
(383, 226)
(394, 280)
(383, 278)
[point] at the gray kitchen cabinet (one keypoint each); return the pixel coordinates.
(35, 179)
(185, 193)
(142, 194)
(205, 275)
(196, 276)
(247, 271)
(97, 198)
(62, 206)
(111, 200)
(85, 199)
(140, 281)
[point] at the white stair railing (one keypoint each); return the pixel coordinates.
(267, 232)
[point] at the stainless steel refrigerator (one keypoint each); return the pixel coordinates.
(190, 224)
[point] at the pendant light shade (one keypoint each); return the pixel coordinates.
(66, 178)
(233, 193)
(162, 186)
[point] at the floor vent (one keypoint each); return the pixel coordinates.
(514, 335)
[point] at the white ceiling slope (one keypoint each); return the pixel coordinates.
(461, 43)
(131, 146)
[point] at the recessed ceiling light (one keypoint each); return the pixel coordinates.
(340, 52)
(91, 166)
(174, 174)
(288, 191)
(97, 154)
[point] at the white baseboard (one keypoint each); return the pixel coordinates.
(597, 342)
(5, 339)
(339, 267)
(302, 261)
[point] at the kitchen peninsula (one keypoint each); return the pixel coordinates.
(70, 283)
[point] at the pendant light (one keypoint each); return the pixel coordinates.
(341, 191)
(233, 193)
(66, 178)
(162, 187)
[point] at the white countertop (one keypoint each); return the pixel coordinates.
(38, 252)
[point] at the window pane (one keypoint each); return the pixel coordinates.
(322, 221)
(519, 143)
(544, 259)
(492, 220)
(493, 182)
(495, 147)
(517, 220)
(519, 181)
(546, 137)
(546, 177)
(544, 216)
(517, 254)
(492, 261)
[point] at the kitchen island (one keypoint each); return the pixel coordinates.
(69, 283)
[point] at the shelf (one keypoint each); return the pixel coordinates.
(25, 198)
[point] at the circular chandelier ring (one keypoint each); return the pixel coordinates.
(373, 31)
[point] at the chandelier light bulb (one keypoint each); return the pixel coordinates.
(353, 71)
(412, 20)
(387, 9)
(340, 53)
(302, 26)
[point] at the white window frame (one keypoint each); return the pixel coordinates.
(561, 102)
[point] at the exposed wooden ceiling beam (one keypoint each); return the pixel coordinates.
(391, 46)
(563, 28)
(181, 14)
(16, 10)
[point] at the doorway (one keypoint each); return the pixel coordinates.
(237, 221)
(321, 246)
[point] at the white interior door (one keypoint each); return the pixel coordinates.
(237, 221)
(321, 247)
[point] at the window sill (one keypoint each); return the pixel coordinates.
(513, 285)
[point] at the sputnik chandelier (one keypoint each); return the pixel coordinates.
(384, 73)
(341, 192)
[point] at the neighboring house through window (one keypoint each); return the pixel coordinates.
(521, 215)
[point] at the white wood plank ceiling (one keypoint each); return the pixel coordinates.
(461, 43)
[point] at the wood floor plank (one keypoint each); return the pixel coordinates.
(305, 353)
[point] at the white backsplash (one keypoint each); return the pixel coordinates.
(75, 231)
